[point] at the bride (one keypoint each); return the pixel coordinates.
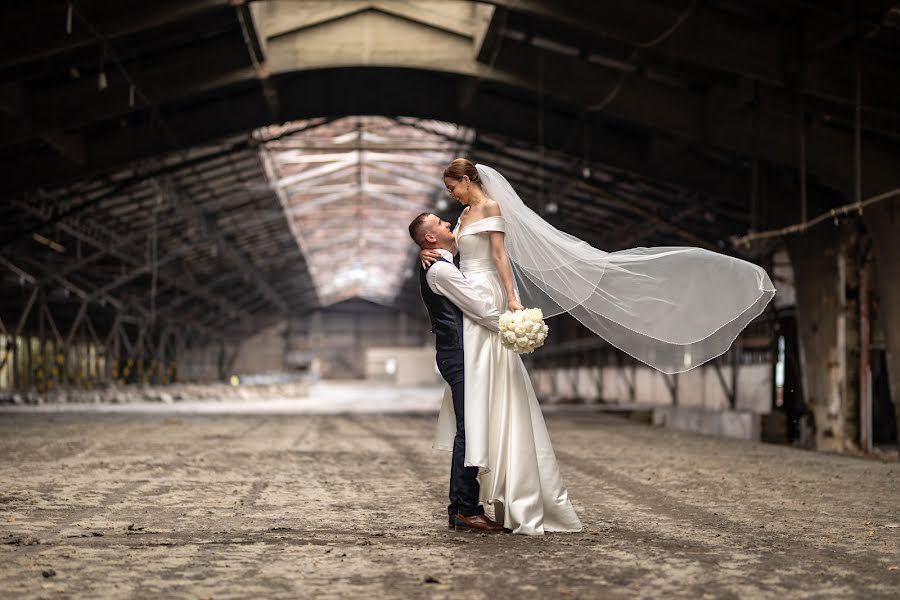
(673, 308)
(506, 437)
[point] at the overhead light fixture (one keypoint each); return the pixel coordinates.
(102, 84)
(441, 204)
(551, 208)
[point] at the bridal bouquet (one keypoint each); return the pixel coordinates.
(524, 330)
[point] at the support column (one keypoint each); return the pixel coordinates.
(178, 358)
(883, 224)
(114, 352)
(29, 358)
(852, 343)
(43, 370)
(865, 396)
(402, 328)
(825, 274)
(737, 352)
(13, 342)
(16, 372)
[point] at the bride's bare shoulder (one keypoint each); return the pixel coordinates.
(491, 208)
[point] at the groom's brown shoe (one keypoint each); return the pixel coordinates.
(475, 523)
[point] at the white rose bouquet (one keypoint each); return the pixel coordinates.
(524, 330)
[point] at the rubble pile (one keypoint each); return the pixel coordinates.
(166, 394)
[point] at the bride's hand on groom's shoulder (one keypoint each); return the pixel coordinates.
(428, 256)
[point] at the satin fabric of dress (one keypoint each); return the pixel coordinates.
(506, 436)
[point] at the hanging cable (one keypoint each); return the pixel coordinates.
(803, 128)
(859, 204)
(679, 21)
(610, 96)
(540, 129)
(857, 110)
(108, 53)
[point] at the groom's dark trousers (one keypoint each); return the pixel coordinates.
(463, 480)
(447, 325)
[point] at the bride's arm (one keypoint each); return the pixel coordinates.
(501, 261)
(428, 256)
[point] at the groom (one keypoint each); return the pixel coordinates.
(447, 295)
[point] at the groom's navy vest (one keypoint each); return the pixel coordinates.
(446, 318)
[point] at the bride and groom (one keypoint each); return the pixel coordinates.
(653, 303)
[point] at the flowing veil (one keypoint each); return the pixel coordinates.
(673, 308)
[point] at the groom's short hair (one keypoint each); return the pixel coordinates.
(417, 228)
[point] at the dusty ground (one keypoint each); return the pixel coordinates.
(334, 506)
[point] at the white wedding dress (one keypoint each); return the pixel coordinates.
(506, 437)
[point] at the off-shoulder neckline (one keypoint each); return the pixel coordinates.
(467, 225)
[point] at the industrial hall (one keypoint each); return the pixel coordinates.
(450, 299)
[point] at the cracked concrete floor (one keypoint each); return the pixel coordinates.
(335, 506)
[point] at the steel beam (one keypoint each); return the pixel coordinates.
(207, 227)
(39, 30)
(182, 280)
(757, 53)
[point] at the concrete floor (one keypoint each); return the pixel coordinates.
(335, 506)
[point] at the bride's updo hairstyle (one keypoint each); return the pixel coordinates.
(460, 167)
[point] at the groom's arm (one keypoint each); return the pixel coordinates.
(446, 280)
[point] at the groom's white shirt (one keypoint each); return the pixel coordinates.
(446, 280)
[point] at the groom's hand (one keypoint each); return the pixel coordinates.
(428, 256)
